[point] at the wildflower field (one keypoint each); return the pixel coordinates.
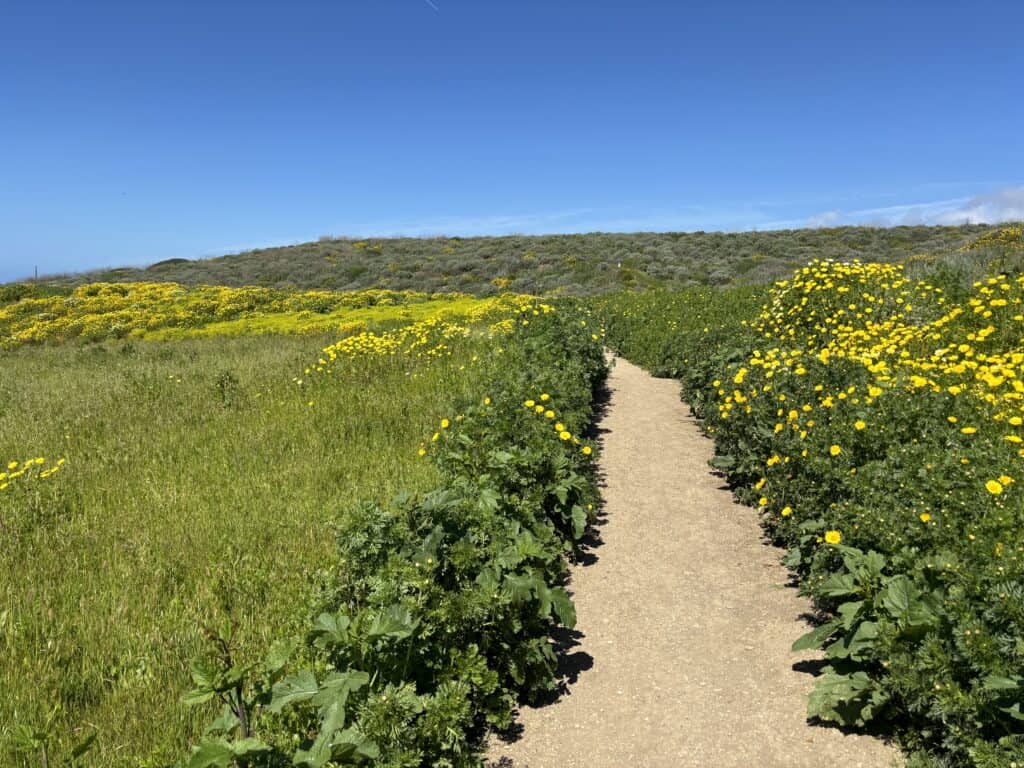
(174, 514)
(876, 422)
(262, 527)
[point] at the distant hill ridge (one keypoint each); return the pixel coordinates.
(574, 264)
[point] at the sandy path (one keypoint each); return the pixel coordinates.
(684, 616)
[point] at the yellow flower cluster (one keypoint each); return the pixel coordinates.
(542, 406)
(1012, 236)
(99, 311)
(431, 337)
(28, 469)
(902, 332)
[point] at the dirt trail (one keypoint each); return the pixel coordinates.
(685, 620)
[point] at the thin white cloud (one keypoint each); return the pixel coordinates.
(1006, 204)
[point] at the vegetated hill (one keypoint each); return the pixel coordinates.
(573, 264)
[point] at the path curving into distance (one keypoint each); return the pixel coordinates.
(684, 620)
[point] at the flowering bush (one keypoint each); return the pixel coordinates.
(877, 426)
(441, 608)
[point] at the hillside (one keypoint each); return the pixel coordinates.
(573, 264)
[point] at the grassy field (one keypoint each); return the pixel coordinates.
(201, 483)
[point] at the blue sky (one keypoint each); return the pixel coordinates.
(135, 132)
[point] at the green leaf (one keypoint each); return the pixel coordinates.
(226, 722)
(579, 521)
(898, 595)
(294, 688)
(838, 585)
(561, 493)
(353, 746)
(212, 753)
(247, 747)
(1010, 694)
(348, 746)
(197, 696)
(816, 637)
(997, 683)
(854, 645)
(521, 587)
(488, 580)
(428, 548)
(330, 629)
(563, 607)
(845, 699)
(233, 677)
(335, 690)
(204, 673)
(396, 623)
(278, 656)
(849, 613)
(317, 755)
(723, 462)
(488, 499)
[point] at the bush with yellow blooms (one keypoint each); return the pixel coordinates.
(876, 422)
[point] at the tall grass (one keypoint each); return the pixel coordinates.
(201, 484)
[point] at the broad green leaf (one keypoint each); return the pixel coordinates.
(428, 548)
(353, 746)
(849, 612)
(564, 608)
(1014, 711)
(816, 636)
(854, 645)
(318, 755)
(247, 747)
(488, 580)
(561, 493)
(521, 587)
(336, 687)
(294, 688)
(845, 699)
(544, 601)
(204, 673)
(226, 722)
(212, 753)
(396, 623)
(233, 677)
(838, 585)
(488, 499)
(332, 717)
(898, 595)
(197, 696)
(278, 656)
(579, 521)
(330, 629)
(723, 462)
(997, 683)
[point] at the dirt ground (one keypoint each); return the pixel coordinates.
(681, 655)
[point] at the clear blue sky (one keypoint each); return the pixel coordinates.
(137, 131)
